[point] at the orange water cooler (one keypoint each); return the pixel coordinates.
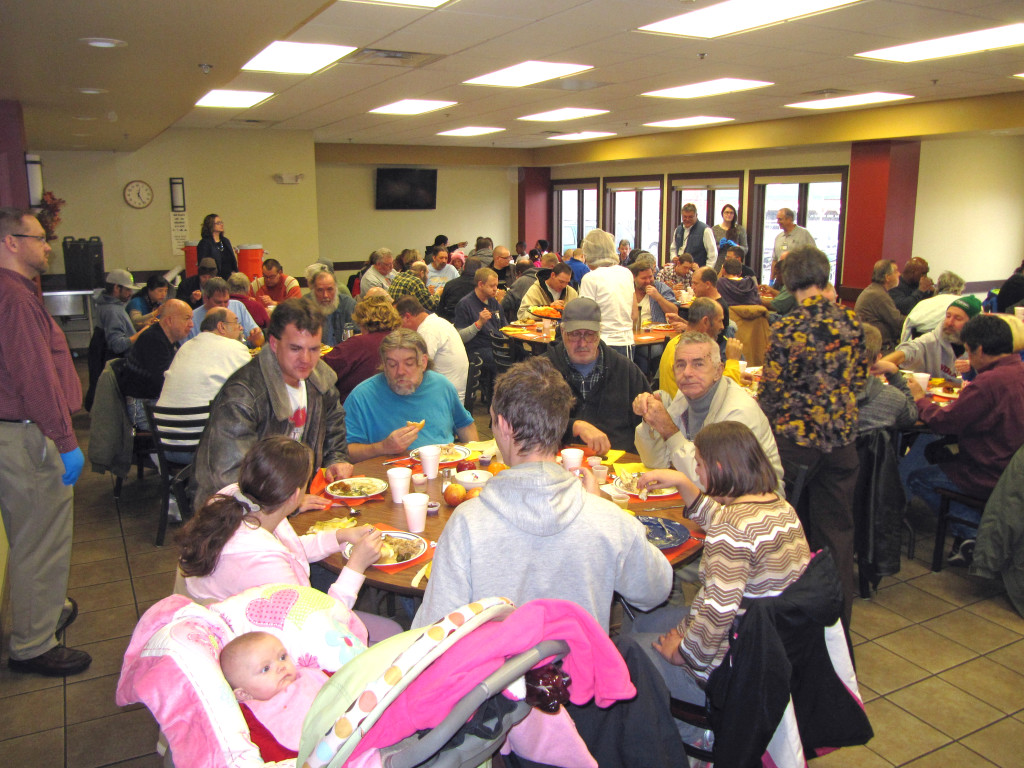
(191, 258)
(250, 261)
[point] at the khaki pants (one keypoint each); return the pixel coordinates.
(37, 511)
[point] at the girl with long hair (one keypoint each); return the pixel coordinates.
(729, 232)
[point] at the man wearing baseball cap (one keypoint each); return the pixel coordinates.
(939, 353)
(191, 289)
(118, 330)
(603, 382)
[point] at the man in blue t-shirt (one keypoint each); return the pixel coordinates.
(384, 413)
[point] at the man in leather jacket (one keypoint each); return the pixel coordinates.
(285, 390)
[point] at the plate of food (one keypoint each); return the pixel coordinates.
(548, 313)
(628, 485)
(523, 323)
(324, 349)
(660, 327)
(400, 547)
(664, 534)
(357, 488)
(450, 453)
(949, 391)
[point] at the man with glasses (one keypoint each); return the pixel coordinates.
(665, 438)
(216, 294)
(40, 460)
(603, 382)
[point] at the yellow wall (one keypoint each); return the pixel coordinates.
(228, 172)
(470, 202)
(969, 217)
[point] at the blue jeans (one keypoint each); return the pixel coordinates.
(923, 479)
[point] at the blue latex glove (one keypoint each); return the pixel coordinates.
(73, 463)
(730, 243)
(722, 243)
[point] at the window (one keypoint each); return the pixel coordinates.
(575, 211)
(815, 195)
(708, 191)
(632, 211)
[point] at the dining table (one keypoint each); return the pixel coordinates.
(533, 333)
(382, 512)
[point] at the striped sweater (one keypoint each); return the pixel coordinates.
(753, 549)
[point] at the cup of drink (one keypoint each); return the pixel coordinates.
(619, 497)
(430, 458)
(572, 458)
(547, 326)
(922, 380)
(398, 479)
(593, 461)
(419, 479)
(600, 474)
(743, 366)
(416, 511)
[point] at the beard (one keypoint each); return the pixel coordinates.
(327, 309)
(953, 337)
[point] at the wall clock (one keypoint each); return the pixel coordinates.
(138, 194)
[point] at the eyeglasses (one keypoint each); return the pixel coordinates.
(37, 238)
(588, 336)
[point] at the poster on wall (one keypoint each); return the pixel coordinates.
(179, 234)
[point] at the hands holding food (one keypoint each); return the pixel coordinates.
(400, 439)
(339, 471)
(367, 549)
(962, 366)
(485, 315)
(733, 349)
(883, 366)
(666, 478)
(649, 407)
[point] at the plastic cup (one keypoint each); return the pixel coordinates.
(743, 366)
(572, 458)
(416, 511)
(398, 479)
(430, 458)
(922, 380)
(619, 497)
(600, 473)
(419, 479)
(593, 461)
(547, 327)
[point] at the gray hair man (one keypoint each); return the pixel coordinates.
(875, 305)
(704, 396)
(791, 237)
(381, 271)
(610, 286)
(406, 405)
(335, 308)
(217, 294)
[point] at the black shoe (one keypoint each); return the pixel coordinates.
(67, 616)
(963, 552)
(56, 662)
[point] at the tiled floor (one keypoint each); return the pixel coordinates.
(940, 656)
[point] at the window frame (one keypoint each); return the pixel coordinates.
(579, 185)
(612, 184)
(675, 200)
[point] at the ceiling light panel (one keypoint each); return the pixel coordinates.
(581, 136)
(689, 122)
(296, 58)
(233, 99)
(528, 73)
(709, 88)
(953, 45)
(413, 107)
(853, 100)
(565, 113)
(471, 130)
(413, 3)
(103, 42)
(732, 16)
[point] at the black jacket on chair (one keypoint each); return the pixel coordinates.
(878, 506)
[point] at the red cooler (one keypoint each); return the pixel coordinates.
(191, 258)
(250, 261)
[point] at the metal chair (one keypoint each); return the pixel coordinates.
(947, 495)
(476, 365)
(175, 431)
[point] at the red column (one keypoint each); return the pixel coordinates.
(13, 177)
(880, 204)
(535, 205)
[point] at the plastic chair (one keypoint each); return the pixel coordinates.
(177, 431)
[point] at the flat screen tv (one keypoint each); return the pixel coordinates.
(406, 189)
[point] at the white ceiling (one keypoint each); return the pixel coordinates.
(154, 82)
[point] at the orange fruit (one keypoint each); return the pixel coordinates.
(495, 467)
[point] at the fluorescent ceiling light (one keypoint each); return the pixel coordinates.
(235, 99)
(413, 107)
(854, 100)
(688, 122)
(103, 42)
(734, 16)
(708, 88)
(471, 130)
(415, 3)
(580, 136)
(296, 58)
(92, 91)
(565, 113)
(954, 45)
(528, 73)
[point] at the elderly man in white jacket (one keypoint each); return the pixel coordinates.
(665, 436)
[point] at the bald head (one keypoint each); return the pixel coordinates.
(176, 319)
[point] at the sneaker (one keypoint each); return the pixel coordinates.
(962, 552)
(173, 513)
(56, 662)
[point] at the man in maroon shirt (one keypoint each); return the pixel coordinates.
(39, 456)
(987, 419)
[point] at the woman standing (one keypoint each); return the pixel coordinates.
(729, 233)
(215, 246)
(145, 305)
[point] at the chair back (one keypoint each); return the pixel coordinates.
(476, 365)
(504, 354)
(176, 431)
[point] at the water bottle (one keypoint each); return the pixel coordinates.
(348, 332)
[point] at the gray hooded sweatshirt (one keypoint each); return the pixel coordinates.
(535, 533)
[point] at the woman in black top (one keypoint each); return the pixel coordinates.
(215, 246)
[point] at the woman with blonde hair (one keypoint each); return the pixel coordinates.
(356, 359)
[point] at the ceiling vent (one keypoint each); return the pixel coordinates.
(247, 124)
(827, 92)
(408, 59)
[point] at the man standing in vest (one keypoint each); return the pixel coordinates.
(693, 237)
